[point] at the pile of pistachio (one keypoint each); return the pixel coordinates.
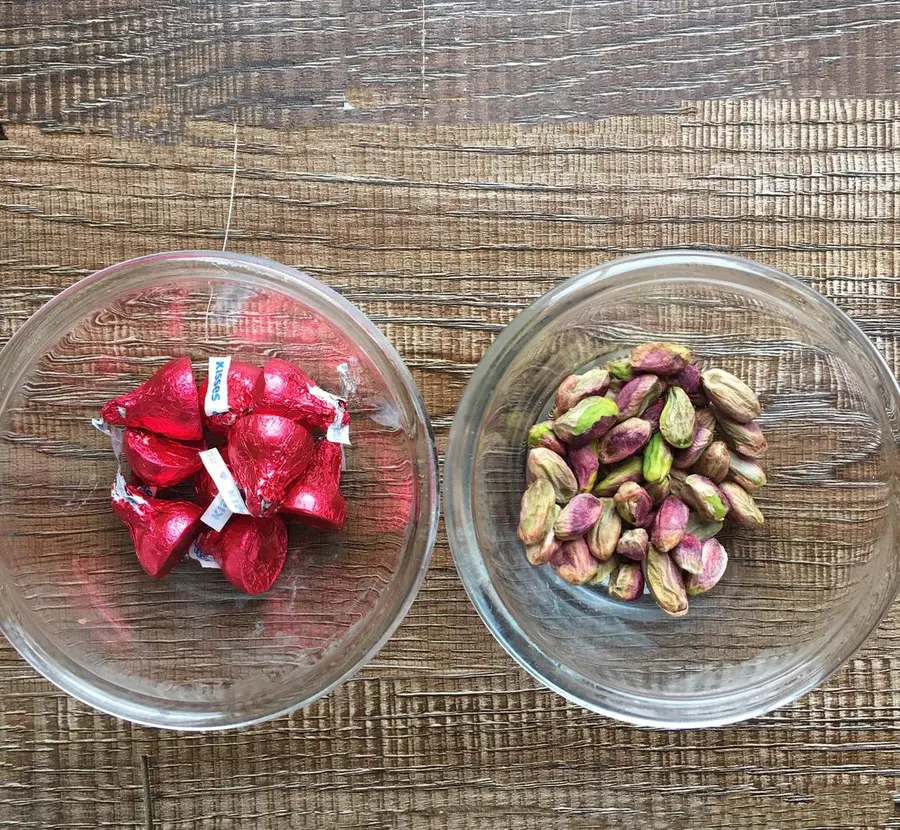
(642, 462)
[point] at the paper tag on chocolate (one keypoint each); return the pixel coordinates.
(224, 481)
(204, 559)
(217, 514)
(117, 440)
(349, 375)
(338, 432)
(120, 492)
(100, 425)
(216, 401)
(116, 434)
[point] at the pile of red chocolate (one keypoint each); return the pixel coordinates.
(260, 444)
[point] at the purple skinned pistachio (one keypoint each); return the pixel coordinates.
(653, 412)
(704, 430)
(584, 464)
(705, 497)
(546, 464)
(541, 552)
(586, 421)
(633, 544)
(623, 440)
(578, 516)
(660, 358)
(542, 435)
(669, 524)
(633, 504)
(603, 536)
(715, 561)
(575, 388)
(637, 394)
(746, 439)
(714, 462)
(688, 554)
(626, 582)
(690, 380)
(574, 563)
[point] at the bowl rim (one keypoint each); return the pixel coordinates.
(458, 514)
(100, 694)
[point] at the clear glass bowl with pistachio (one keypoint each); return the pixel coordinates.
(598, 583)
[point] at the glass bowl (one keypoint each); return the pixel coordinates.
(800, 595)
(190, 651)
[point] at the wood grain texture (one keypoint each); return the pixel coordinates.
(148, 68)
(442, 235)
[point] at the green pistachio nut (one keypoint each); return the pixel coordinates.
(706, 498)
(665, 582)
(587, 420)
(742, 508)
(629, 470)
(603, 536)
(746, 439)
(713, 463)
(657, 459)
(620, 369)
(677, 421)
(746, 472)
(731, 395)
(660, 358)
(542, 435)
(575, 388)
(633, 544)
(627, 582)
(546, 464)
(538, 513)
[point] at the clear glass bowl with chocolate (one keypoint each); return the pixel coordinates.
(190, 651)
(801, 593)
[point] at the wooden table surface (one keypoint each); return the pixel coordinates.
(442, 164)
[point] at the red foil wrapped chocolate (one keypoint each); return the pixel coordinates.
(316, 497)
(161, 530)
(242, 378)
(266, 454)
(250, 551)
(282, 389)
(160, 461)
(166, 403)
